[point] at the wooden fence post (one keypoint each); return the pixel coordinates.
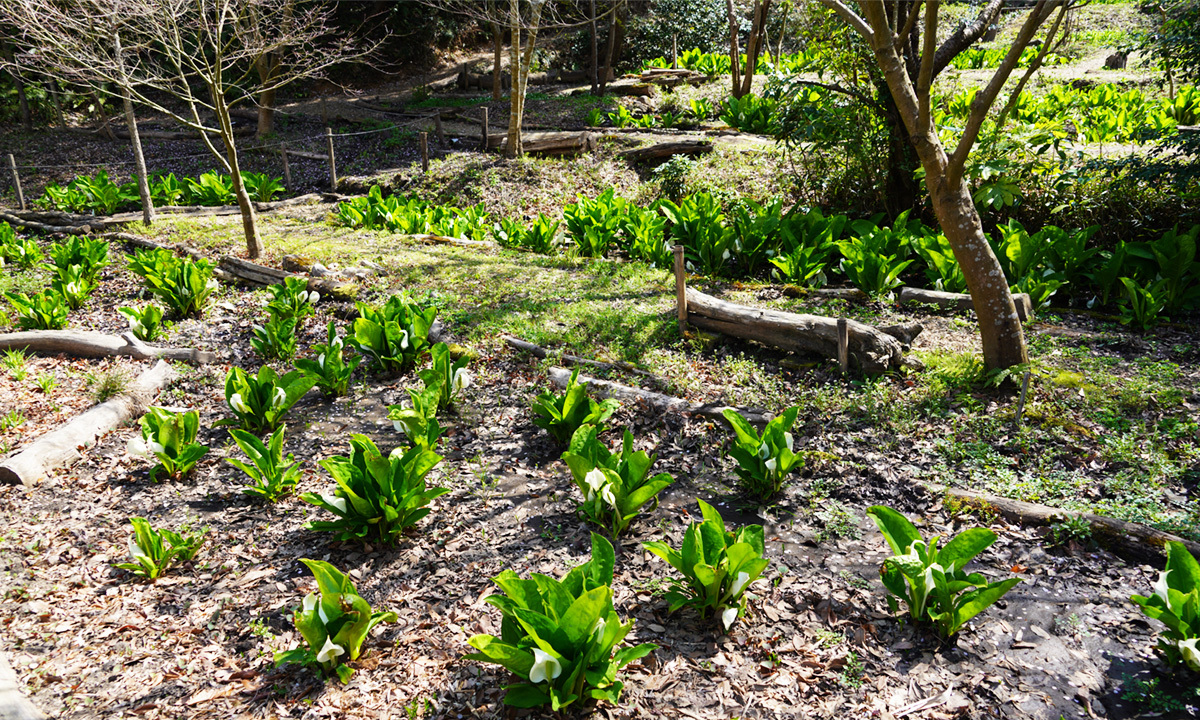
(287, 169)
(484, 130)
(680, 288)
(437, 128)
(843, 329)
(12, 164)
(332, 161)
(424, 152)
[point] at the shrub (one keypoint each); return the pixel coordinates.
(1176, 604)
(169, 437)
(615, 486)
(643, 232)
(698, 224)
(931, 582)
(276, 339)
(672, 176)
(559, 636)
(155, 551)
(718, 566)
(144, 323)
(376, 498)
(260, 402)
(72, 286)
(562, 415)
(183, 284)
(274, 476)
(334, 622)
(292, 299)
(89, 254)
(750, 113)
(593, 224)
(541, 236)
(261, 187)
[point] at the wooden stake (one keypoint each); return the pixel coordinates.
(1021, 402)
(680, 289)
(437, 128)
(483, 128)
(12, 164)
(843, 329)
(332, 161)
(674, 51)
(424, 152)
(287, 169)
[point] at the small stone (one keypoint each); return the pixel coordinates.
(318, 270)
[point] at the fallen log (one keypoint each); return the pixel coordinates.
(542, 353)
(960, 301)
(1128, 539)
(60, 448)
(43, 227)
(662, 403)
(13, 704)
(82, 343)
(254, 274)
(851, 294)
(443, 240)
(548, 143)
(872, 350)
(666, 150)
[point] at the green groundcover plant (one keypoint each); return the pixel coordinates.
(419, 422)
(155, 551)
(1176, 604)
(615, 486)
(334, 622)
(718, 566)
(764, 461)
(559, 636)
(273, 475)
(183, 284)
(932, 582)
(260, 402)
(170, 438)
(562, 415)
(329, 368)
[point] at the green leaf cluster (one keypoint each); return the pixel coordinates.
(155, 551)
(562, 415)
(449, 376)
(1176, 604)
(615, 486)
(292, 299)
(260, 402)
(932, 582)
(698, 224)
(764, 461)
(393, 336)
(377, 498)
(539, 236)
(145, 323)
(717, 565)
(183, 284)
(334, 622)
(169, 437)
(46, 310)
(273, 475)
(329, 369)
(276, 339)
(419, 422)
(18, 250)
(559, 636)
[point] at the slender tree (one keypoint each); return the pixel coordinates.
(906, 48)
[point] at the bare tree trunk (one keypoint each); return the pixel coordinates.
(595, 58)
(497, 56)
(105, 127)
(254, 246)
(266, 113)
(135, 138)
(22, 99)
(754, 44)
(610, 52)
(522, 60)
(735, 55)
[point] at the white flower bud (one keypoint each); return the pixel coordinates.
(545, 666)
(330, 652)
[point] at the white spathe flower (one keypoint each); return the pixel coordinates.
(595, 480)
(929, 583)
(330, 652)
(321, 613)
(137, 446)
(313, 297)
(211, 285)
(237, 403)
(787, 438)
(725, 255)
(739, 584)
(598, 630)
(606, 494)
(136, 551)
(153, 448)
(334, 500)
(1160, 588)
(728, 616)
(321, 360)
(772, 464)
(403, 339)
(279, 398)
(1190, 652)
(545, 666)
(462, 379)
(309, 603)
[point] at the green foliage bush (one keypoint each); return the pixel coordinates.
(183, 284)
(615, 486)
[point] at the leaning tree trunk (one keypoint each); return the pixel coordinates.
(900, 187)
(754, 44)
(610, 52)
(595, 55)
(266, 113)
(135, 138)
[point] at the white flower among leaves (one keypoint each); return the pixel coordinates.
(280, 397)
(334, 500)
(772, 464)
(462, 379)
(1160, 588)
(764, 451)
(739, 584)
(313, 297)
(403, 339)
(728, 616)
(545, 666)
(606, 494)
(136, 551)
(137, 446)
(238, 404)
(330, 651)
(1190, 652)
(595, 481)
(309, 603)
